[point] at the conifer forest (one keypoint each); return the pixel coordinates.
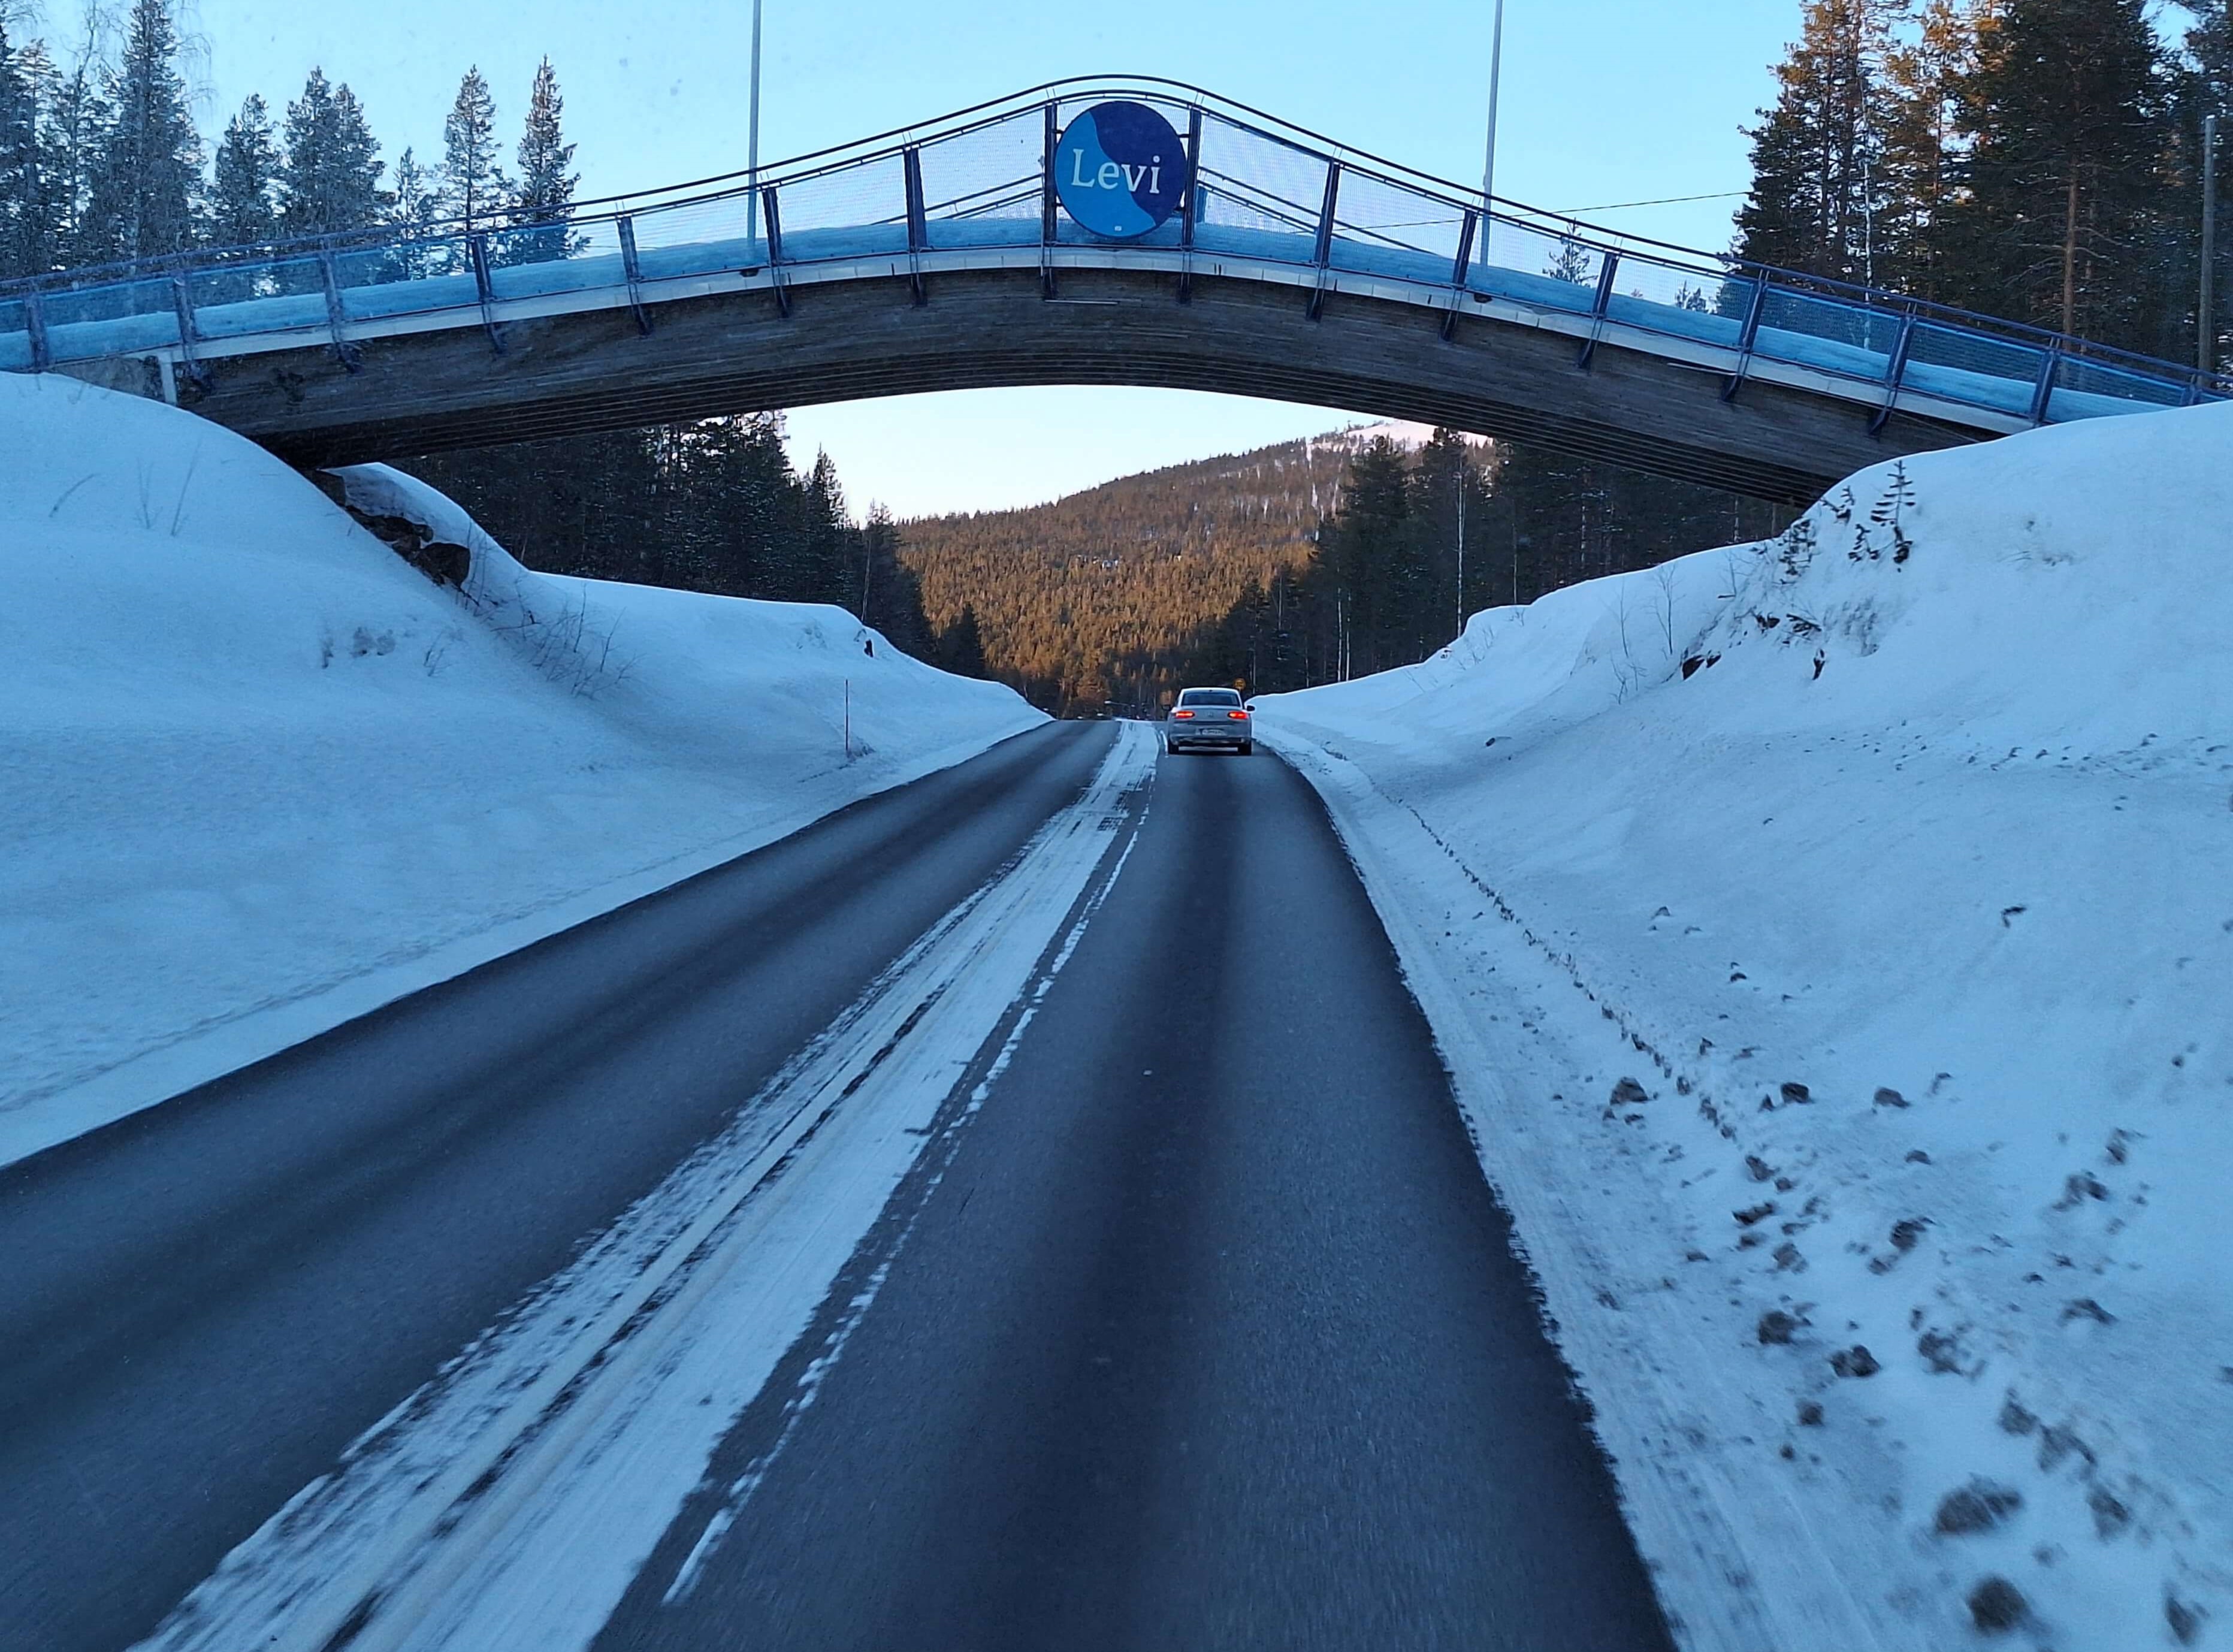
(2036, 160)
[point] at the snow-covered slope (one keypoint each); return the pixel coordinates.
(1892, 859)
(258, 775)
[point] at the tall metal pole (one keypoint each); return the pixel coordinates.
(2205, 332)
(752, 143)
(1488, 161)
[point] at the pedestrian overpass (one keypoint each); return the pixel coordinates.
(938, 257)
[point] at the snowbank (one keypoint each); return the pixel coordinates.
(1894, 861)
(258, 775)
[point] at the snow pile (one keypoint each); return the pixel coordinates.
(258, 775)
(1832, 939)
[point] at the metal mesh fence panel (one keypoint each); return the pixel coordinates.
(1251, 183)
(112, 318)
(1679, 301)
(699, 237)
(2083, 388)
(859, 210)
(15, 335)
(1385, 229)
(1536, 266)
(986, 171)
(1972, 368)
(1851, 339)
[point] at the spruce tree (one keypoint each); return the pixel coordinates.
(74, 120)
(825, 559)
(331, 180)
(24, 230)
(543, 196)
(474, 190)
(962, 645)
(2066, 116)
(414, 209)
(242, 203)
(147, 168)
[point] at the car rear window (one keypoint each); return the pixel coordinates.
(1209, 697)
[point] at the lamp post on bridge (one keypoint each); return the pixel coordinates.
(1488, 162)
(752, 141)
(2205, 328)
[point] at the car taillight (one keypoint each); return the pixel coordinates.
(1181, 714)
(1238, 717)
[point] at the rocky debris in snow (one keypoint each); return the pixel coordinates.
(1629, 1093)
(1794, 1094)
(2079, 1188)
(1887, 1097)
(2120, 1147)
(1753, 1213)
(1855, 1361)
(1979, 1506)
(2184, 1619)
(1917, 1156)
(1997, 1606)
(1787, 1259)
(1777, 1328)
(2110, 1515)
(2087, 1308)
(1810, 1414)
(2015, 1419)
(1757, 1167)
(1942, 1352)
(2056, 1442)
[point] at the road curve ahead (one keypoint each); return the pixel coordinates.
(1207, 1334)
(1035, 1189)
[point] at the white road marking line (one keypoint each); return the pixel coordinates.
(741, 1490)
(510, 1501)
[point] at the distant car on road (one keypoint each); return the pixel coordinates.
(1209, 717)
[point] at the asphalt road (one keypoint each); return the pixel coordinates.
(1204, 1332)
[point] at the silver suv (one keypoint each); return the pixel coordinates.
(1209, 717)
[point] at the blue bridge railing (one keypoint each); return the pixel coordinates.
(1266, 192)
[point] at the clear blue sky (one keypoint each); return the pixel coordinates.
(1603, 101)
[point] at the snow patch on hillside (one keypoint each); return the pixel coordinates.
(258, 775)
(1831, 937)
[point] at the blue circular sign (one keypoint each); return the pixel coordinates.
(1120, 169)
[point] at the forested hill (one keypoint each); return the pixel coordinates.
(1094, 597)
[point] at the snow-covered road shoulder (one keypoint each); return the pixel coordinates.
(258, 775)
(1830, 941)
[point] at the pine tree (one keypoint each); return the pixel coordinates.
(474, 190)
(330, 181)
(147, 170)
(1923, 146)
(1817, 155)
(242, 204)
(543, 196)
(2066, 112)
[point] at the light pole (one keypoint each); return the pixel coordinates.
(752, 141)
(1488, 162)
(2205, 332)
